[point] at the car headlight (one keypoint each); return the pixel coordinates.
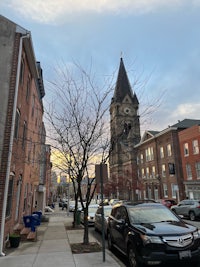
(147, 239)
(196, 234)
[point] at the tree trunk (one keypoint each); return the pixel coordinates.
(86, 232)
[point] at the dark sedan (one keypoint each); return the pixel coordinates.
(151, 234)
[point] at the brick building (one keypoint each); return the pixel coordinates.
(189, 140)
(22, 132)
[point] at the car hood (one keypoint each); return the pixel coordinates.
(166, 228)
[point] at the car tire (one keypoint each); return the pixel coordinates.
(192, 216)
(132, 257)
(110, 242)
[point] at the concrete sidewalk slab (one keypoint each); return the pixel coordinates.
(94, 259)
(52, 248)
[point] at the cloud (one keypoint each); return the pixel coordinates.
(51, 11)
(187, 110)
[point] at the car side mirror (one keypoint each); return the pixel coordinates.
(122, 221)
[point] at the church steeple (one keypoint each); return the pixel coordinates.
(123, 87)
(125, 134)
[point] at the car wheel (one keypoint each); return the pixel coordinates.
(192, 216)
(110, 243)
(132, 257)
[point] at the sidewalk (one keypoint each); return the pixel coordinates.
(52, 248)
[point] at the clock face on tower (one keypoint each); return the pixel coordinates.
(127, 110)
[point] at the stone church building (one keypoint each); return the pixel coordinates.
(125, 134)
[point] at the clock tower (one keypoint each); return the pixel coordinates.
(125, 134)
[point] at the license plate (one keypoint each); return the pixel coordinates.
(185, 254)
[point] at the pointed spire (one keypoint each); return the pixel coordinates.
(123, 86)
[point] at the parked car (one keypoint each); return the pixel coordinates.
(98, 218)
(91, 213)
(63, 204)
(72, 206)
(168, 202)
(114, 201)
(188, 208)
(151, 234)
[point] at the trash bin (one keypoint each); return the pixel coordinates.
(36, 219)
(29, 222)
(39, 213)
(78, 217)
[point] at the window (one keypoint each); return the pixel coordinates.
(149, 192)
(149, 154)
(153, 171)
(21, 77)
(33, 160)
(141, 158)
(143, 176)
(161, 152)
(186, 149)
(28, 89)
(197, 167)
(24, 135)
(171, 168)
(138, 160)
(147, 172)
(17, 121)
(25, 197)
(169, 150)
(127, 127)
(165, 191)
(29, 149)
(188, 171)
(174, 190)
(163, 170)
(195, 147)
(9, 198)
(33, 106)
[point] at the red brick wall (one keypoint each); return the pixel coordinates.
(7, 133)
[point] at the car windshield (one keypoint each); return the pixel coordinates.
(150, 214)
(107, 212)
(92, 209)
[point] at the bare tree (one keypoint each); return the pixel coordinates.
(78, 123)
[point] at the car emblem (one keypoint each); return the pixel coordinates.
(181, 241)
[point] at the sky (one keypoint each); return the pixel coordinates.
(159, 41)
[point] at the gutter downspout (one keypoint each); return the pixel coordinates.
(10, 147)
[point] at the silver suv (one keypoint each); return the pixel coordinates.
(189, 208)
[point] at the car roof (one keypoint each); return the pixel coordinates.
(136, 203)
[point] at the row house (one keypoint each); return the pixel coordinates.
(22, 131)
(189, 141)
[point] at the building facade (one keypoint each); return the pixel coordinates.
(189, 140)
(21, 131)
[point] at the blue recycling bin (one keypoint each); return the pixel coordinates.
(29, 222)
(39, 213)
(35, 219)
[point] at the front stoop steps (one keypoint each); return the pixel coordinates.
(27, 234)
